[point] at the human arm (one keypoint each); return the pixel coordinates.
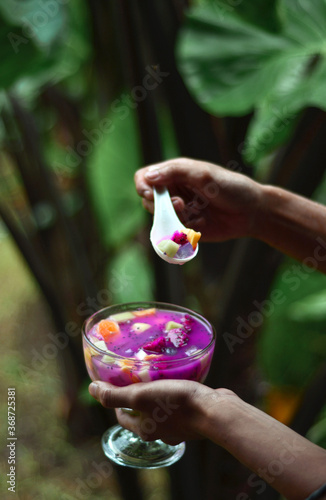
(182, 410)
(222, 205)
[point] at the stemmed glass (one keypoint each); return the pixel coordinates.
(119, 444)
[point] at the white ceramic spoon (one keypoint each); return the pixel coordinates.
(165, 223)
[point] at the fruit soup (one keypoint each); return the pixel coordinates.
(148, 344)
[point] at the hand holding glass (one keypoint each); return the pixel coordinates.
(140, 342)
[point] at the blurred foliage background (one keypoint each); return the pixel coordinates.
(89, 92)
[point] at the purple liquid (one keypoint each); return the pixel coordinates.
(162, 351)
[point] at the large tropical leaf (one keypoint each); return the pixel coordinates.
(40, 22)
(263, 14)
(15, 65)
(292, 344)
(233, 67)
(114, 158)
(40, 43)
(128, 282)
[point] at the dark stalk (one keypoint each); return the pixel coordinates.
(36, 266)
(31, 148)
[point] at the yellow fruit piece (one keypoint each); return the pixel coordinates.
(126, 363)
(123, 316)
(144, 375)
(88, 358)
(170, 325)
(145, 312)
(151, 356)
(168, 247)
(193, 237)
(108, 360)
(139, 327)
(89, 364)
(127, 366)
(100, 344)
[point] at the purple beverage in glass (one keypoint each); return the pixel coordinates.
(142, 342)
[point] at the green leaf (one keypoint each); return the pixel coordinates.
(292, 343)
(129, 282)
(18, 55)
(41, 22)
(277, 115)
(317, 433)
(227, 61)
(114, 158)
(233, 67)
(263, 14)
(40, 43)
(312, 308)
(28, 31)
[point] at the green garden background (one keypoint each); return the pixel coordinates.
(90, 91)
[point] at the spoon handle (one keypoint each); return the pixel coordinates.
(162, 203)
(164, 213)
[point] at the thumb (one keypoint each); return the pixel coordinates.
(110, 396)
(176, 171)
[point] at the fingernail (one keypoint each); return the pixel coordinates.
(152, 173)
(93, 389)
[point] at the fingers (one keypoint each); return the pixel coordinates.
(111, 396)
(147, 427)
(169, 172)
(179, 171)
(178, 204)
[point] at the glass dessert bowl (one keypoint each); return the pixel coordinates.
(141, 342)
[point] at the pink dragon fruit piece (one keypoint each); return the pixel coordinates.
(178, 337)
(187, 322)
(179, 237)
(157, 345)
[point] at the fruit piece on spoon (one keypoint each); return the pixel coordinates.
(168, 247)
(167, 229)
(193, 237)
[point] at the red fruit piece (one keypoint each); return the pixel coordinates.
(157, 345)
(179, 237)
(187, 321)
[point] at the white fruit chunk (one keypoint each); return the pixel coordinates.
(192, 350)
(144, 375)
(108, 360)
(100, 344)
(140, 327)
(168, 247)
(172, 324)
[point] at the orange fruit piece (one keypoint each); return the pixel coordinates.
(107, 328)
(127, 366)
(193, 237)
(145, 312)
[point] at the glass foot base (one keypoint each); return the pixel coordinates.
(126, 448)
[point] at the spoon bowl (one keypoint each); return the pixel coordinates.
(165, 223)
